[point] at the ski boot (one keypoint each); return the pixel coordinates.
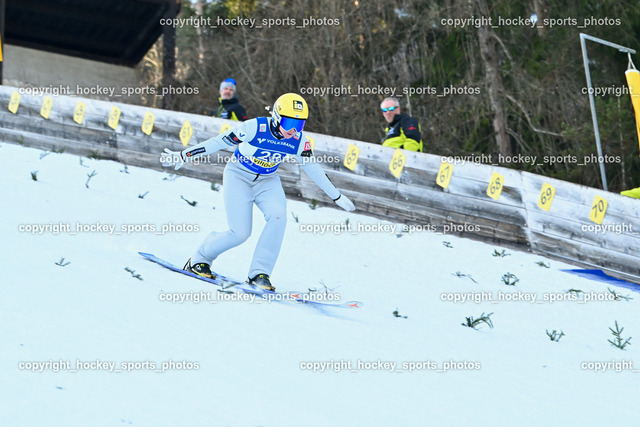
(262, 281)
(201, 269)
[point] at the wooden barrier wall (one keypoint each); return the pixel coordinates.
(583, 226)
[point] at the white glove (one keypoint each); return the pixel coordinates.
(172, 158)
(345, 203)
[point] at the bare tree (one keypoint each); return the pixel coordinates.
(487, 41)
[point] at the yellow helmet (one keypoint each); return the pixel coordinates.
(290, 111)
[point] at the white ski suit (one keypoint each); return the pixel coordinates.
(251, 178)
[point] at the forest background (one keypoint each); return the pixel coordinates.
(494, 77)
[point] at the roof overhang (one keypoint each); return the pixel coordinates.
(115, 31)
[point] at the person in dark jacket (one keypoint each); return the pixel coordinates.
(230, 107)
(403, 130)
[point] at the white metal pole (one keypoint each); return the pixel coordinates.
(592, 101)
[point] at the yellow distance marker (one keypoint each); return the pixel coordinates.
(14, 102)
(225, 127)
(351, 158)
(147, 123)
(186, 133)
(114, 117)
(598, 209)
(397, 163)
(47, 104)
(495, 186)
(312, 142)
(547, 194)
(444, 174)
(78, 114)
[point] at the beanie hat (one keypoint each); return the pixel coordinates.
(228, 83)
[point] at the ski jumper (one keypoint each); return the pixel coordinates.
(250, 177)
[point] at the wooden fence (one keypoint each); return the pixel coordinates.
(580, 225)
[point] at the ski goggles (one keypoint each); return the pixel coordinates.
(288, 123)
(384, 110)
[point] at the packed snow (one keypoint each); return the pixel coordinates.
(89, 337)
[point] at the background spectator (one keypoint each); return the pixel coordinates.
(403, 130)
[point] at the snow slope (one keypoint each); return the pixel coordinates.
(237, 363)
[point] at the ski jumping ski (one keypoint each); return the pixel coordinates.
(226, 283)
